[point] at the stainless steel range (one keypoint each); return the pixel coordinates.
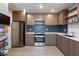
(39, 36)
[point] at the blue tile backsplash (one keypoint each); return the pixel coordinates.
(47, 28)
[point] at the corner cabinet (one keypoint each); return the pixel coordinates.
(62, 44)
(67, 46)
(62, 17)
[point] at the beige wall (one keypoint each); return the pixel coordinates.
(4, 10)
(9, 33)
(50, 19)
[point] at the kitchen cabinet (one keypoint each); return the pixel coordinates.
(76, 48)
(47, 39)
(59, 42)
(73, 14)
(53, 40)
(78, 12)
(73, 48)
(29, 39)
(19, 16)
(62, 44)
(51, 19)
(67, 46)
(50, 39)
(62, 17)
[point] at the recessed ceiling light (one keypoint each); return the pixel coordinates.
(52, 10)
(41, 6)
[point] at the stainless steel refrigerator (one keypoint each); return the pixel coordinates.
(18, 34)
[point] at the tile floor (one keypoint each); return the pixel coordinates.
(39, 44)
(35, 51)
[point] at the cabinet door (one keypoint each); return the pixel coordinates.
(65, 46)
(57, 41)
(76, 48)
(51, 19)
(78, 11)
(60, 43)
(61, 17)
(47, 39)
(29, 40)
(53, 40)
(19, 16)
(71, 48)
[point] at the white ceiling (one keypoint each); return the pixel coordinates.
(35, 7)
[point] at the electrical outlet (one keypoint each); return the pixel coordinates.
(65, 30)
(46, 29)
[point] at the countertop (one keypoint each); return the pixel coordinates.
(62, 34)
(29, 33)
(73, 38)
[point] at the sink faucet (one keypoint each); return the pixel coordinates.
(72, 33)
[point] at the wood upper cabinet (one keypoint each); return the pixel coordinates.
(19, 16)
(51, 19)
(62, 17)
(78, 9)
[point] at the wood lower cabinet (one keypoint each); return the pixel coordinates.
(76, 48)
(67, 46)
(59, 42)
(50, 39)
(73, 48)
(62, 44)
(29, 40)
(53, 40)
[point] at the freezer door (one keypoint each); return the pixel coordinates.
(22, 34)
(15, 34)
(15, 26)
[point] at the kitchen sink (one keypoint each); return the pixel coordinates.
(68, 35)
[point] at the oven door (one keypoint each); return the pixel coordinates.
(39, 39)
